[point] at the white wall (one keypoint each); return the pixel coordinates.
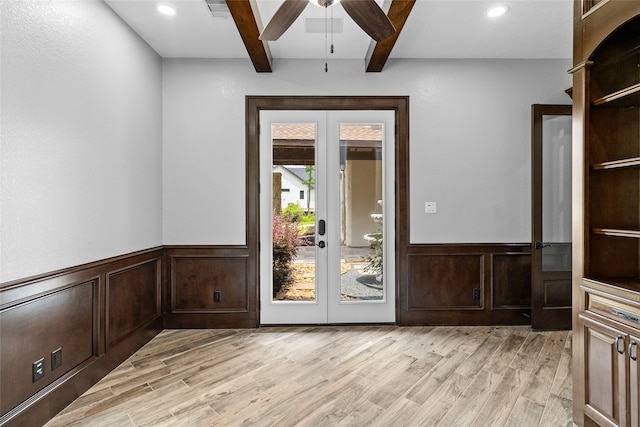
(469, 140)
(81, 135)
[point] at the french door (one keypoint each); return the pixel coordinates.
(327, 217)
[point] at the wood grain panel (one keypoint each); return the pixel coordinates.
(67, 309)
(195, 279)
(511, 280)
(557, 293)
(441, 279)
(445, 281)
(32, 330)
(132, 298)
(605, 385)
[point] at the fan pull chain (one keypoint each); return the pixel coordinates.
(326, 60)
(332, 31)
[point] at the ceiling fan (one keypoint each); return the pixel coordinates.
(366, 13)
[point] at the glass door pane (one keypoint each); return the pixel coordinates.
(293, 212)
(361, 218)
(556, 193)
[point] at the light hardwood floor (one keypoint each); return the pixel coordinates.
(337, 376)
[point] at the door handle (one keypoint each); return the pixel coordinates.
(321, 227)
(631, 356)
(539, 245)
(618, 340)
(321, 244)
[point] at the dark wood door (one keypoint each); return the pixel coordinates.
(551, 217)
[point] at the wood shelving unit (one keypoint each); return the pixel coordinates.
(606, 269)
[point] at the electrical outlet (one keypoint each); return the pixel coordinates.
(37, 370)
(476, 293)
(56, 358)
(217, 295)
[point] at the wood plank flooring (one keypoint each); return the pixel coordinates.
(337, 376)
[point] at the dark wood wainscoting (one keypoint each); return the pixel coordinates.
(100, 313)
(96, 315)
(465, 285)
(197, 274)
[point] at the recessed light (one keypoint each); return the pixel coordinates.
(496, 11)
(166, 10)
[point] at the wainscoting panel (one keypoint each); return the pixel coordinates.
(465, 284)
(102, 312)
(96, 314)
(196, 280)
(133, 298)
(196, 274)
(445, 281)
(32, 330)
(511, 281)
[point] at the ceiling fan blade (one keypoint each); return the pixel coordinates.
(370, 17)
(282, 19)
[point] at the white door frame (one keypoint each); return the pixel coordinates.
(328, 307)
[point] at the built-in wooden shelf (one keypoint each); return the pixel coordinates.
(627, 97)
(607, 295)
(617, 164)
(617, 232)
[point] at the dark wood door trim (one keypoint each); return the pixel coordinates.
(398, 104)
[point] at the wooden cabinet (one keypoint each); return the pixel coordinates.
(606, 206)
(605, 361)
(634, 381)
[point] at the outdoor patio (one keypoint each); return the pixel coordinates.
(357, 284)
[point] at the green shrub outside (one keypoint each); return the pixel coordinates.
(293, 211)
(286, 237)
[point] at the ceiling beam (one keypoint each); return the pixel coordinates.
(245, 19)
(379, 52)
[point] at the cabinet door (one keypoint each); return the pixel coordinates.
(634, 381)
(605, 382)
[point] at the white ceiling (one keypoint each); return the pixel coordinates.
(435, 29)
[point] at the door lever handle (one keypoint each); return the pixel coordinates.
(539, 245)
(321, 244)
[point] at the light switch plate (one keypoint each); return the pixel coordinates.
(430, 207)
